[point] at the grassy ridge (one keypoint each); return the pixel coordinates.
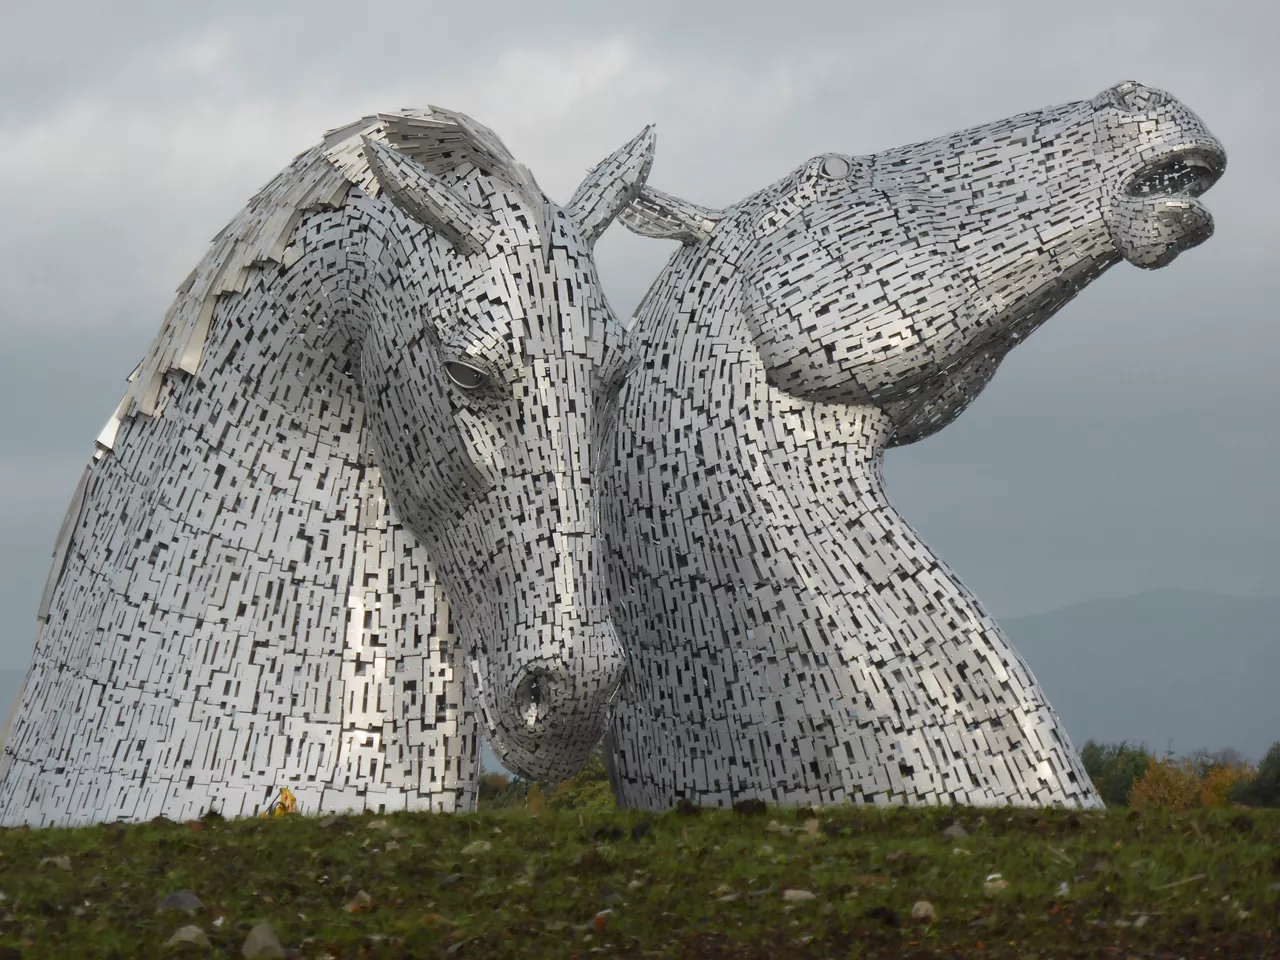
(681, 884)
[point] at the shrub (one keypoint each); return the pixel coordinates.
(535, 801)
(511, 795)
(588, 789)
(1206, 760)
(1131, 775)
(1114, 768)
(1171, 784)
(492, 784)
(1221, 773)
(1218, 784)
(1263, 789)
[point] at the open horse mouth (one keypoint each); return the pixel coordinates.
(1156, 212)
(1188, 172)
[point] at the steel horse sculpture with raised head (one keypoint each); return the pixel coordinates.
(789, 637)
(355, 466)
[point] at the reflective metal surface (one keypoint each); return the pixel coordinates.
(352, 470)
(788, 635)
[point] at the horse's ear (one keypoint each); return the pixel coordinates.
(421, 195)
(612, 184)
(656, 214)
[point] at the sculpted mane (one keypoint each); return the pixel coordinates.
(320, 178)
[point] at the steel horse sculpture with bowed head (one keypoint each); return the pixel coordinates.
(354, 466)
(789, 637)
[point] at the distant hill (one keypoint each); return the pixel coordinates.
(1198, 668)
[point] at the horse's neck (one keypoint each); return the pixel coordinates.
(809, 474)
(770, 595)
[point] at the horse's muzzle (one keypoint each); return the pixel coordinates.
(548, 711)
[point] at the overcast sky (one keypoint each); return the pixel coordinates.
(1131, 444)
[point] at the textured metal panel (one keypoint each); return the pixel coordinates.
(788, 635)
(352, 469)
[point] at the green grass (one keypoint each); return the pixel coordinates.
(680, 884)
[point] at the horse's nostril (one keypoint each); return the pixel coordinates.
(532, 699)
(1189, 174)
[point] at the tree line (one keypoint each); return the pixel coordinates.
(1123, 774)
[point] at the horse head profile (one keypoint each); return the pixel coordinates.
(788, 635)
(355, 466)
(902, 278)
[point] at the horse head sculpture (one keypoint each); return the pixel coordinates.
(902, 278)
(357, 463)
(788, 635)
(486, 409)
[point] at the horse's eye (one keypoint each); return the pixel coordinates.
(465, 376)
(835, 168)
